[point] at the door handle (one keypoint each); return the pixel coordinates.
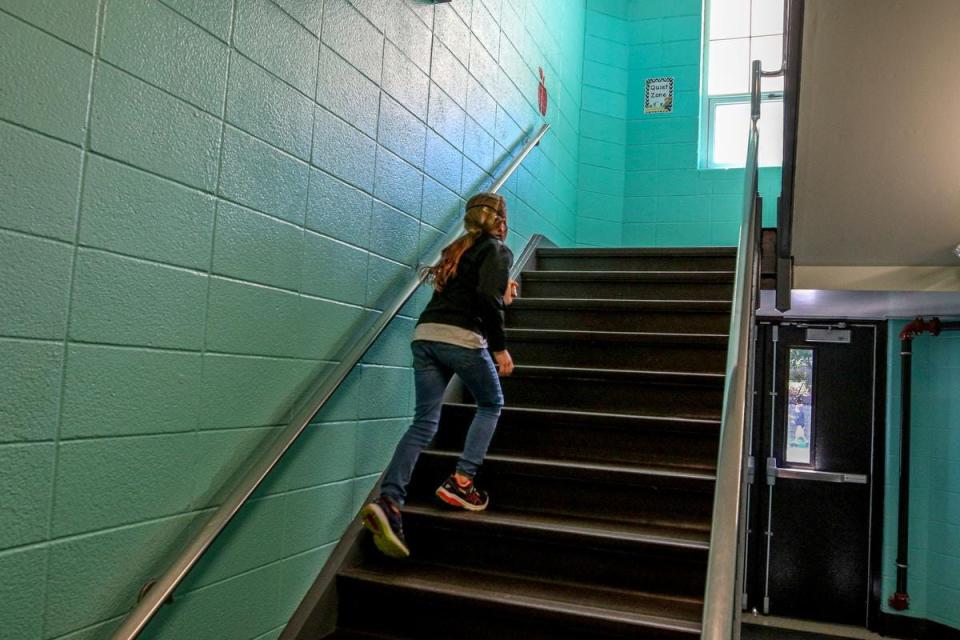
(773, 472)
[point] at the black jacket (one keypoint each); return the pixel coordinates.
(473, 299)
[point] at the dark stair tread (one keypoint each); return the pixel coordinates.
(612, 472)
(609, 419)
(613, 304)
(637, 251)
(629, 276)
(580, 527)
(630, 375)
(517, 593)
(636, 337)
(349, 634)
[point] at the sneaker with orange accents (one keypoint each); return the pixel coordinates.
(464, 495)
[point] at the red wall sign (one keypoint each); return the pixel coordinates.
(542, 94)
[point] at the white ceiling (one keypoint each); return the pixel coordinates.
(878, 153)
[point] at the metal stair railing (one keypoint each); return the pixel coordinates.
(722, 600)
(155, 594)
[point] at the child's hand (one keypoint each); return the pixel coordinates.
(512, 292)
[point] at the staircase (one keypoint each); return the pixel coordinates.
(601, 473)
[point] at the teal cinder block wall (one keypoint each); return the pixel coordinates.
(640, 180)
(200, 200)
(933, 579)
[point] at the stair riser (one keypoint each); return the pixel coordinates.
(635, 263)
(659, 500)
(618, 320)
(613, 396)
(619, 355)
(436, 615)
(627, 290)
(576, 442)
(668, 571)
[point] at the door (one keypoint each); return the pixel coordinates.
(812, 553)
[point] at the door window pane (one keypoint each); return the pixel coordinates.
(729, 67)
(800, 406)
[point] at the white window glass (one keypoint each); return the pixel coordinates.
(740, 31)
(769, 50)
(729, 19)
(766, 18)
(729, 67)
(730, 126)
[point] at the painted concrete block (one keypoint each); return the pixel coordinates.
(405, 82)
(156, 44)
(141, 125)
(453, 32)
(327, 327)
(29, 389)
(441, 206)
(263, 177)
(443, 161)
(348, 93)
(394, 234)
(324, 453)
(39, 183)
(262, 105)
(120, 300)
(252, 246)
(343, 151)
(115, 481)
(410, 35)
(26, 471)
(398, 183)
(23, 586)
(446, 117)
(277, 42)
(350, 35)
(249, 391)
(34, 285)
(323, 258)
(481, 106)
(129, 211)
(308, 13)
(449, 73)
(338, 210)
(112, 391)
(247, 319)
(45, 80)
(216, 16)
(386, 392)
(401, 132)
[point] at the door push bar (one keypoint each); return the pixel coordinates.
(774, 472)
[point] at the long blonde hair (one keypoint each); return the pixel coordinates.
(486, 213)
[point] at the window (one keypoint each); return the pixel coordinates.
(800, 406)
(738, 32)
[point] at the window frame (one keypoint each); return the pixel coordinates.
(709, 103)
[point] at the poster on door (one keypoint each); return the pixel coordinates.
(658, 96)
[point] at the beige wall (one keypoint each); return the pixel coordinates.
(878, 176)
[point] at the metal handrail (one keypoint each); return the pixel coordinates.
(160, 591)
(722, 598)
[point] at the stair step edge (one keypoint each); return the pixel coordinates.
(686, 539)
(526, 602)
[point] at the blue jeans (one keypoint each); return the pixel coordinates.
(434, 363)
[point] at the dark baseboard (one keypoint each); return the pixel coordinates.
(914, 628)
